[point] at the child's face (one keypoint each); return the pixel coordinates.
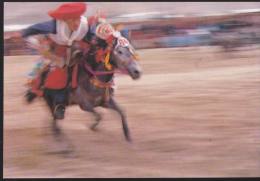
(73, 23)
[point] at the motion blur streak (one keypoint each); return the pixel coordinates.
(194, 113)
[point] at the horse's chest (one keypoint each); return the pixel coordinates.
(94, 97)
(98, 100)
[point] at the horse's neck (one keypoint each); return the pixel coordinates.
(95, 67)
(106, 77)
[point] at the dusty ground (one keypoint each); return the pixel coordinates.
(194, 113)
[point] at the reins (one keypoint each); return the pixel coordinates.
(96, 82)
(97, 73)
(100, 84)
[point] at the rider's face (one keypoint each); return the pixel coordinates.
(73, 23)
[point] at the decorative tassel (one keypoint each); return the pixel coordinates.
(136, 56)
(107, 94)
(107, 64)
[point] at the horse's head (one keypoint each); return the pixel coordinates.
(124, 57)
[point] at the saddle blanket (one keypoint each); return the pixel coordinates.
(56, 78)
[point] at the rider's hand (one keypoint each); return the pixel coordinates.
(15, 35)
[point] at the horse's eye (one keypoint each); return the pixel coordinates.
(120, 52)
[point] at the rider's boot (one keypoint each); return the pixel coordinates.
(33, 91)
(59, 111)
(60, 98)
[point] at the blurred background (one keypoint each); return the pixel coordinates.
(155, 24)
(193, 113)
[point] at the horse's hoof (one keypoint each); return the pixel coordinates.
(129, 139)
(57, 151)
(93, 127)
(59, 147)
(71, 154)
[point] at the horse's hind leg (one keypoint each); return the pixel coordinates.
(61, 143)
(56, 130)
(54, 125)
(113, 105)
(58, 143)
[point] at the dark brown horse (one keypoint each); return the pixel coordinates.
(95, 83)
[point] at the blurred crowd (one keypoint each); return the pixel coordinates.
(228, 33)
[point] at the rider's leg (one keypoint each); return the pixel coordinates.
(60, 102)
(55, 87)
(57, 101)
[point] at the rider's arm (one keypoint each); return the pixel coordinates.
(40, 28)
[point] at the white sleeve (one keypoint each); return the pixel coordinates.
(32, 42)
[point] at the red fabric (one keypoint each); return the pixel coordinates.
(60, 50)
(100, 55)
(83, 45)
(35, 86)
(92, 20)
(56, 79)
(110, 39)
(38, 92)
(74, 82)
(68, 10)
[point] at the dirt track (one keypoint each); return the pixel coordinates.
(194, 113)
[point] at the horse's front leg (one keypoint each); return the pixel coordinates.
(80, 97)
(97, 119)
(85, 106)
(113, 105)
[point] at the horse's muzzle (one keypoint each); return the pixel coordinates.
(135, 73)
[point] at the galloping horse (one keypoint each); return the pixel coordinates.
(95, 82)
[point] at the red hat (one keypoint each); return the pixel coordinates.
(68, 10)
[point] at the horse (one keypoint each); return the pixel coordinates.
(95, 83)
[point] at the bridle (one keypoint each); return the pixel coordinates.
(106, 85)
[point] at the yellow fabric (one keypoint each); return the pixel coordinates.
(136, 56)
(100, 84)
(107, 64)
